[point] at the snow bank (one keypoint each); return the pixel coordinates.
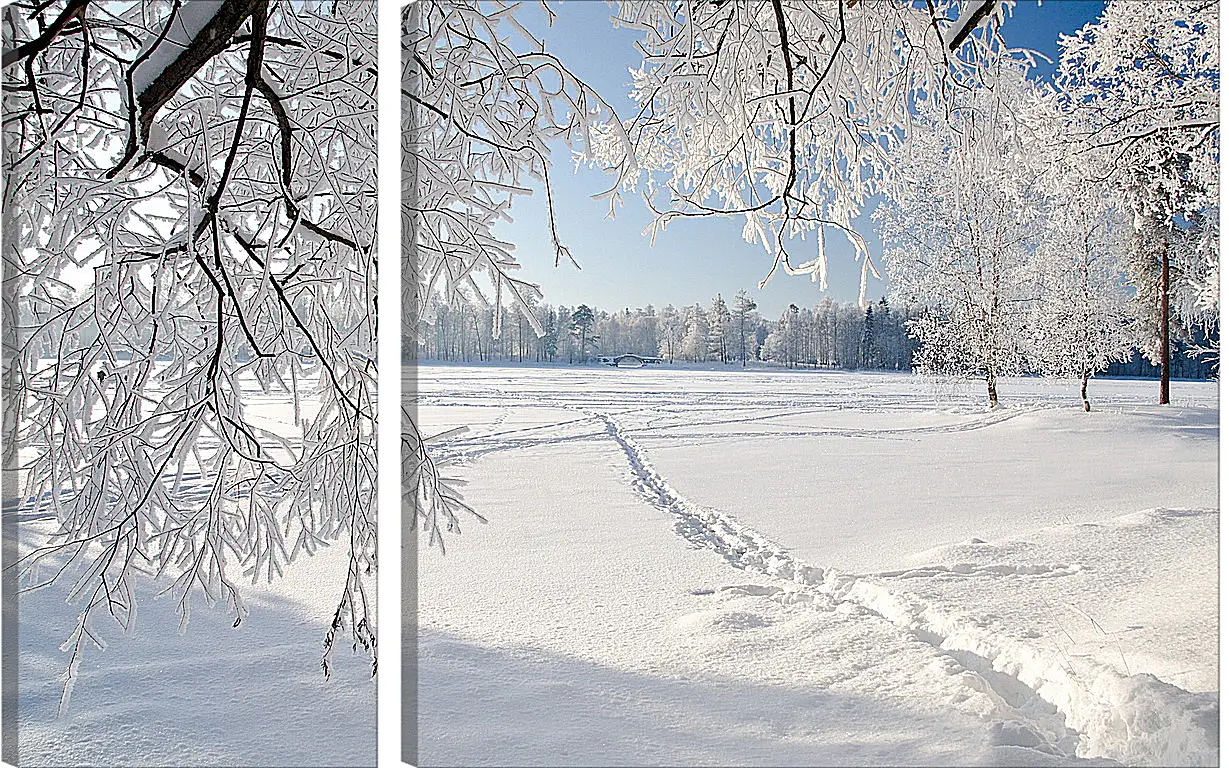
(748, 443)
(1136, 719)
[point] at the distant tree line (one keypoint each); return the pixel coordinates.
(831, 334)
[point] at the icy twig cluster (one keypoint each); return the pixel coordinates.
(190, 208)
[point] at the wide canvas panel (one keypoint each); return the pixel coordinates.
(804, 382)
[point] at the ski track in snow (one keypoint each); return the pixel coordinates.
(1056, 708)
(1059, 705)
(492, 440)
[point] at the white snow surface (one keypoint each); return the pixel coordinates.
(727, 567)
(211, 694)
(160, 50)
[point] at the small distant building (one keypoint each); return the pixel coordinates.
(629, 360)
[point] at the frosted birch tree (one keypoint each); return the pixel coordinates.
(959, 226)
(1140, 87)
(189, 212)
(1081, 321)
(695, 337)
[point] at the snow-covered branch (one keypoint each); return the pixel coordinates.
(191, 198)
(785, 113)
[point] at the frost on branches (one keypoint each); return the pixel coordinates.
(481, 103)
(1141, 91)
(1128, 135)
(959, 227)
(1081, 321)
(1078, 318)
(189, 219)
(785, 113)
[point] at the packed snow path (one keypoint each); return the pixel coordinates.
(1035, 703)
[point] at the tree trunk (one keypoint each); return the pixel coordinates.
(992, 389)
(1164, 300)
(1084, 391)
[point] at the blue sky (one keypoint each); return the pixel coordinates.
(692, 260)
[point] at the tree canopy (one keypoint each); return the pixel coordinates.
(190, 206)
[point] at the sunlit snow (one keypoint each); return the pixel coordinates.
(732, 567)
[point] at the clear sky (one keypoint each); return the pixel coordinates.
(692, 260)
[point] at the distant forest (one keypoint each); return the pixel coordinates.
(831, 334)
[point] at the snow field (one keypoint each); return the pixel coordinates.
(576, 634)
(1009, 693)
(208, 693)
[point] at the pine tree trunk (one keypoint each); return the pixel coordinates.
(742, 340)
(1164, 300)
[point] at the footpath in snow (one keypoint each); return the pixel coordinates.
(691, 636)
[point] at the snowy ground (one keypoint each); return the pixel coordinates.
(215, 694)
(688, 567)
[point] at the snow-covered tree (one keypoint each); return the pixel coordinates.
(1082, 321)
(784, 112)
(672, 330)
(1140, 88)
(189, 212)
(696, 332)
(959, 227)
(645, 332)
(610, 328)
(784, 343)
(774, 347)
(1166, 262)
(743, 322)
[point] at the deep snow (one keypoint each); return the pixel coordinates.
(213, 694)
(749, 567)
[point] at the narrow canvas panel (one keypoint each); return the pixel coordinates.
(415, 462)
(189, 295)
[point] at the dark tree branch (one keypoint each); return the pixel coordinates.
(209, 42)
(31, 48)
(288, 307)
(972, 22)
(285, 128)
(166, 161)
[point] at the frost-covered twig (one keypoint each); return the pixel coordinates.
(173, 260)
